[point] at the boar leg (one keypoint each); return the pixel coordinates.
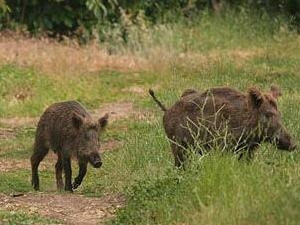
(249, 153)
(179, 154)
(39, 152)
(81, 173)
(58, 171)
(68, 173)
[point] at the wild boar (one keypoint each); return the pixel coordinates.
(69, 130)
(226, 118)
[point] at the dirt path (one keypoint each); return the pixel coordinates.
(50, 160)
(7, 133)
(67, 208)
(16, 164)
(117, 110)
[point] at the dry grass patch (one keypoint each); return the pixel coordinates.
(69, 58)
(195, 60)
(117, 110)
(56, 58)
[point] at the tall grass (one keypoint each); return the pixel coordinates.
(228, 30)
(26, 92)
(218, 190)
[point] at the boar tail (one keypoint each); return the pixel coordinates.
(151, 92)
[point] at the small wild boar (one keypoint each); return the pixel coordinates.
(226, 118)
(68, 129)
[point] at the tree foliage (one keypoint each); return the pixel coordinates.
(75, 16)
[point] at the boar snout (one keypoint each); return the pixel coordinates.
(95, 160)
(284, 145)
(98, 164)
(285, 142)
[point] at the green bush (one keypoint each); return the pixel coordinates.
(85, 17)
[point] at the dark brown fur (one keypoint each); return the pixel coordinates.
(204, 119)
(68, 129)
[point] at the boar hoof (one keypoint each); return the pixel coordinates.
(75, 186)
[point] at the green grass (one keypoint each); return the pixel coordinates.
(20, 146)
(11, 217)
(12, 182)
(40, 90)
(217, 189)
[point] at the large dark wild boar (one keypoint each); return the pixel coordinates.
(68, 129)
(224, 117)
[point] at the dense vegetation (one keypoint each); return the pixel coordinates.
(101, 18)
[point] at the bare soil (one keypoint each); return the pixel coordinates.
(7, 133)
(117, 110)
(110, 145)
(65, 207)
(16, 164)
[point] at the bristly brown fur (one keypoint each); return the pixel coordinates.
(247, 118)
(69, 130)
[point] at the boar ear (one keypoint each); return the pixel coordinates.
(103, 121)
(256, 97)
(77, 120)
(275, 91)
